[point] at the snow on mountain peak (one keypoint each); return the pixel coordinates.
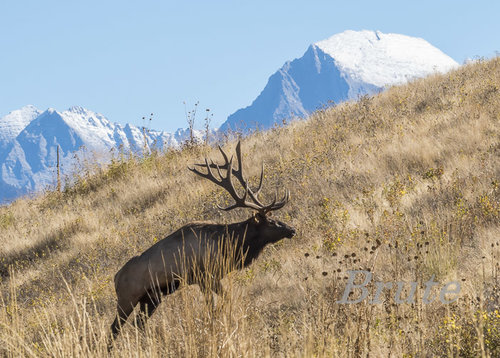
(384, 59)
(342, 67)
(14, 122)
(77, 109)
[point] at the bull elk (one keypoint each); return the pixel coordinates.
(159, 270)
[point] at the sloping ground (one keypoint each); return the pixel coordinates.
(404, 184)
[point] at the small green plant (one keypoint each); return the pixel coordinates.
(433, 173)
(6, 220)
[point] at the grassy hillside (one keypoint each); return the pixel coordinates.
(404, 184)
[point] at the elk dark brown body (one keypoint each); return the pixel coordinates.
(184, 254)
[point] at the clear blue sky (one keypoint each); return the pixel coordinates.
(126, 59)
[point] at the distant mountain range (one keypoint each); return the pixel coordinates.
(340, 68)
(29, 140)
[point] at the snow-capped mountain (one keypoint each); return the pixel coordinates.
(342, 67)
(29, 140)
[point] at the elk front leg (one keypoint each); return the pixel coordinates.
(214, 286)
(217, 288)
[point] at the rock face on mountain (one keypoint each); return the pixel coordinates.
(342, 67)
(29, 139)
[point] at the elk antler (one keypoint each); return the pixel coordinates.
(226, 183)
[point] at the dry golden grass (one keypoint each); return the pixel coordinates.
(405, 184)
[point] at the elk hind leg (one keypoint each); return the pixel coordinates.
(121, 317)
(151, 300)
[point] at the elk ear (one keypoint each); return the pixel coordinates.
(258, 218)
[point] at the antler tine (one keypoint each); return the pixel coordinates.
(260, 181)
(230, 189)
(214, 165)
(218, 171)
(237, 203)
(196, 171)
(210, 175)
(238, 156)
(227, 183)
(277, 205)
(239, 175)
(224, 155)
(282, 202)
(238, 172)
